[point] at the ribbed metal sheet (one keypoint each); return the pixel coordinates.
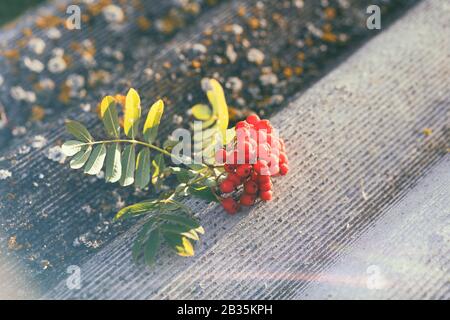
(356, 148)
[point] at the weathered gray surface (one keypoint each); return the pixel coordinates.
(361, 149)
(403, 255)
(356, 148)
(52, 217)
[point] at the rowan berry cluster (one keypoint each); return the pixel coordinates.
(255, 156)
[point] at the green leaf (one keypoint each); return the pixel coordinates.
(132, 113)
(169, 144)
(142, 177)
(113, 169)
(204, 193)
(95, 162)
(128, 165)
(108, 113)
(138, 208)
(78, 131)
(151, 246)
(183, 220)
(140, 239)
(180, 244)
(153, 120)
(197, 166)
(201, 112)
(71, 147)
(180, 229)
(158, 165)
(80, 158)
(183, 175)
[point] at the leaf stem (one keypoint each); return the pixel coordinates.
(148, 145)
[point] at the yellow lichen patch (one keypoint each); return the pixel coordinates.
(27, 32)
(196, 64)
(167, 65)
(207, 42)
(96, 8)
(298, 71)
(192, 8)
(44, 22)
(143, 23)
(253, 23)
(171, 22)
(427, 132)
(329, 37)
(120, 99)
(234, 114)
(301, 56)
(288, 72)
(228, 28)
(327, 27)
(241, 11)
(86, 51)
(208, 31)
(11, 54)
(276, 65)
(330, 13)
(64, 94)
(68, 60)
(37, 113)
(85, 18)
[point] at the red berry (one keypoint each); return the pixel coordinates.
(263, 151)
(284, 169)
(243, 134)
(266, 195)
(242, 124)
(283, 158)
(263, 179)
(274, 143)
(274, 169)
(261, 167)
(229, 168)
(234, 178)
(265, 186)
(264, 125)
(273, 160)
(262, 137)
(226, 186)
(230, 205)
(244, 170)
(253, 119)
(243, 147)
(221, 156)
(250, 187)
(254, 176)
(247, 199)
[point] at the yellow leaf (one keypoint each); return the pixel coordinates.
(132, 113)
(216, 97)
(186, 250)
(201, 112)
(153, 120)
(106, 101)
(108, 113)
